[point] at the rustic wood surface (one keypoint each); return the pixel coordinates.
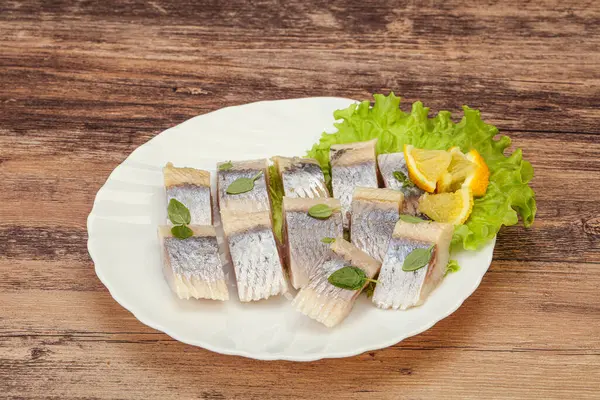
(83, 83)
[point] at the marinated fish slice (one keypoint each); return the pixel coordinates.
(192, 266)
(301, 177)
(398, 289)
(388, 164)
(322, 301)
(304, 234)
(352, 165)
(256, 261)
(374, 215)
(192, 188)
(255, 200)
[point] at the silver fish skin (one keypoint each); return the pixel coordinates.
(192, 266)
(255, 200)
(374, 216)
(256, 261)
(304, 234)
(301, 177)
(388, 164)
(398, 289)
(192, 188)
(322, 301)
(352, 165)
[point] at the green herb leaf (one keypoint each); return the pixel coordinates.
(226, 166)
(417, 259)
(178, 213)
(411, 219)
(320, 211)
(242, 185)
(181, 232)
(403, 179)
(452, 267)
(328, 240)
(351, 278)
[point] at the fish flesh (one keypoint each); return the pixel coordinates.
(254, 254)
(304, 233)
(329, 304)
(352, 165)
(390, 163)
(399, 289)
(191, 187)
(256, 199)
(374, 215)
(192, 266)
(301, 177)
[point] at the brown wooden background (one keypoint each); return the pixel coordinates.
(83, 83)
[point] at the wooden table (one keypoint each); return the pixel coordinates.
(83, 84)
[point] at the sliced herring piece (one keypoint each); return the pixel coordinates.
(192, 266)
(258, 267)
(191, 187)
(399, 289)
(352, 165)
(390, 163)
(301, 177)
(322, 301)
(304, 234)
(374, 215)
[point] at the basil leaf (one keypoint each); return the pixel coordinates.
(226, 166)
(320, 211)
(452, 267)
(178, 213)
(351, 278)
(411, 219)
(417, 259)
(242, 185)
(328, 240)
(181, 232)
(403, 179)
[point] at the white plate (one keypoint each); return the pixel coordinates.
(124, 246)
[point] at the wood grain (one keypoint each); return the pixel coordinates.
(84, 83)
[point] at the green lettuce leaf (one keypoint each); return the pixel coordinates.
(508, 195)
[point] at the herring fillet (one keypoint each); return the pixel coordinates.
(191, 187)
(258, 267)
(322, 301)
(301, 177)
(192, 266)
(352, 165)
(398, 289)
(304, 233)
(255, 200)
(388, 164)
(374, 215)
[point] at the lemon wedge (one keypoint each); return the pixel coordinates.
(453, 208)
(479, 179)
(426, 167)
(459, 170)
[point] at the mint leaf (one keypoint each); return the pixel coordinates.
(178, 213)
(403, 179)
(320, 211)
(411, 219)
(181, 232)
(242, 185)
(350, 278)
(417, 259)
(226, 166)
